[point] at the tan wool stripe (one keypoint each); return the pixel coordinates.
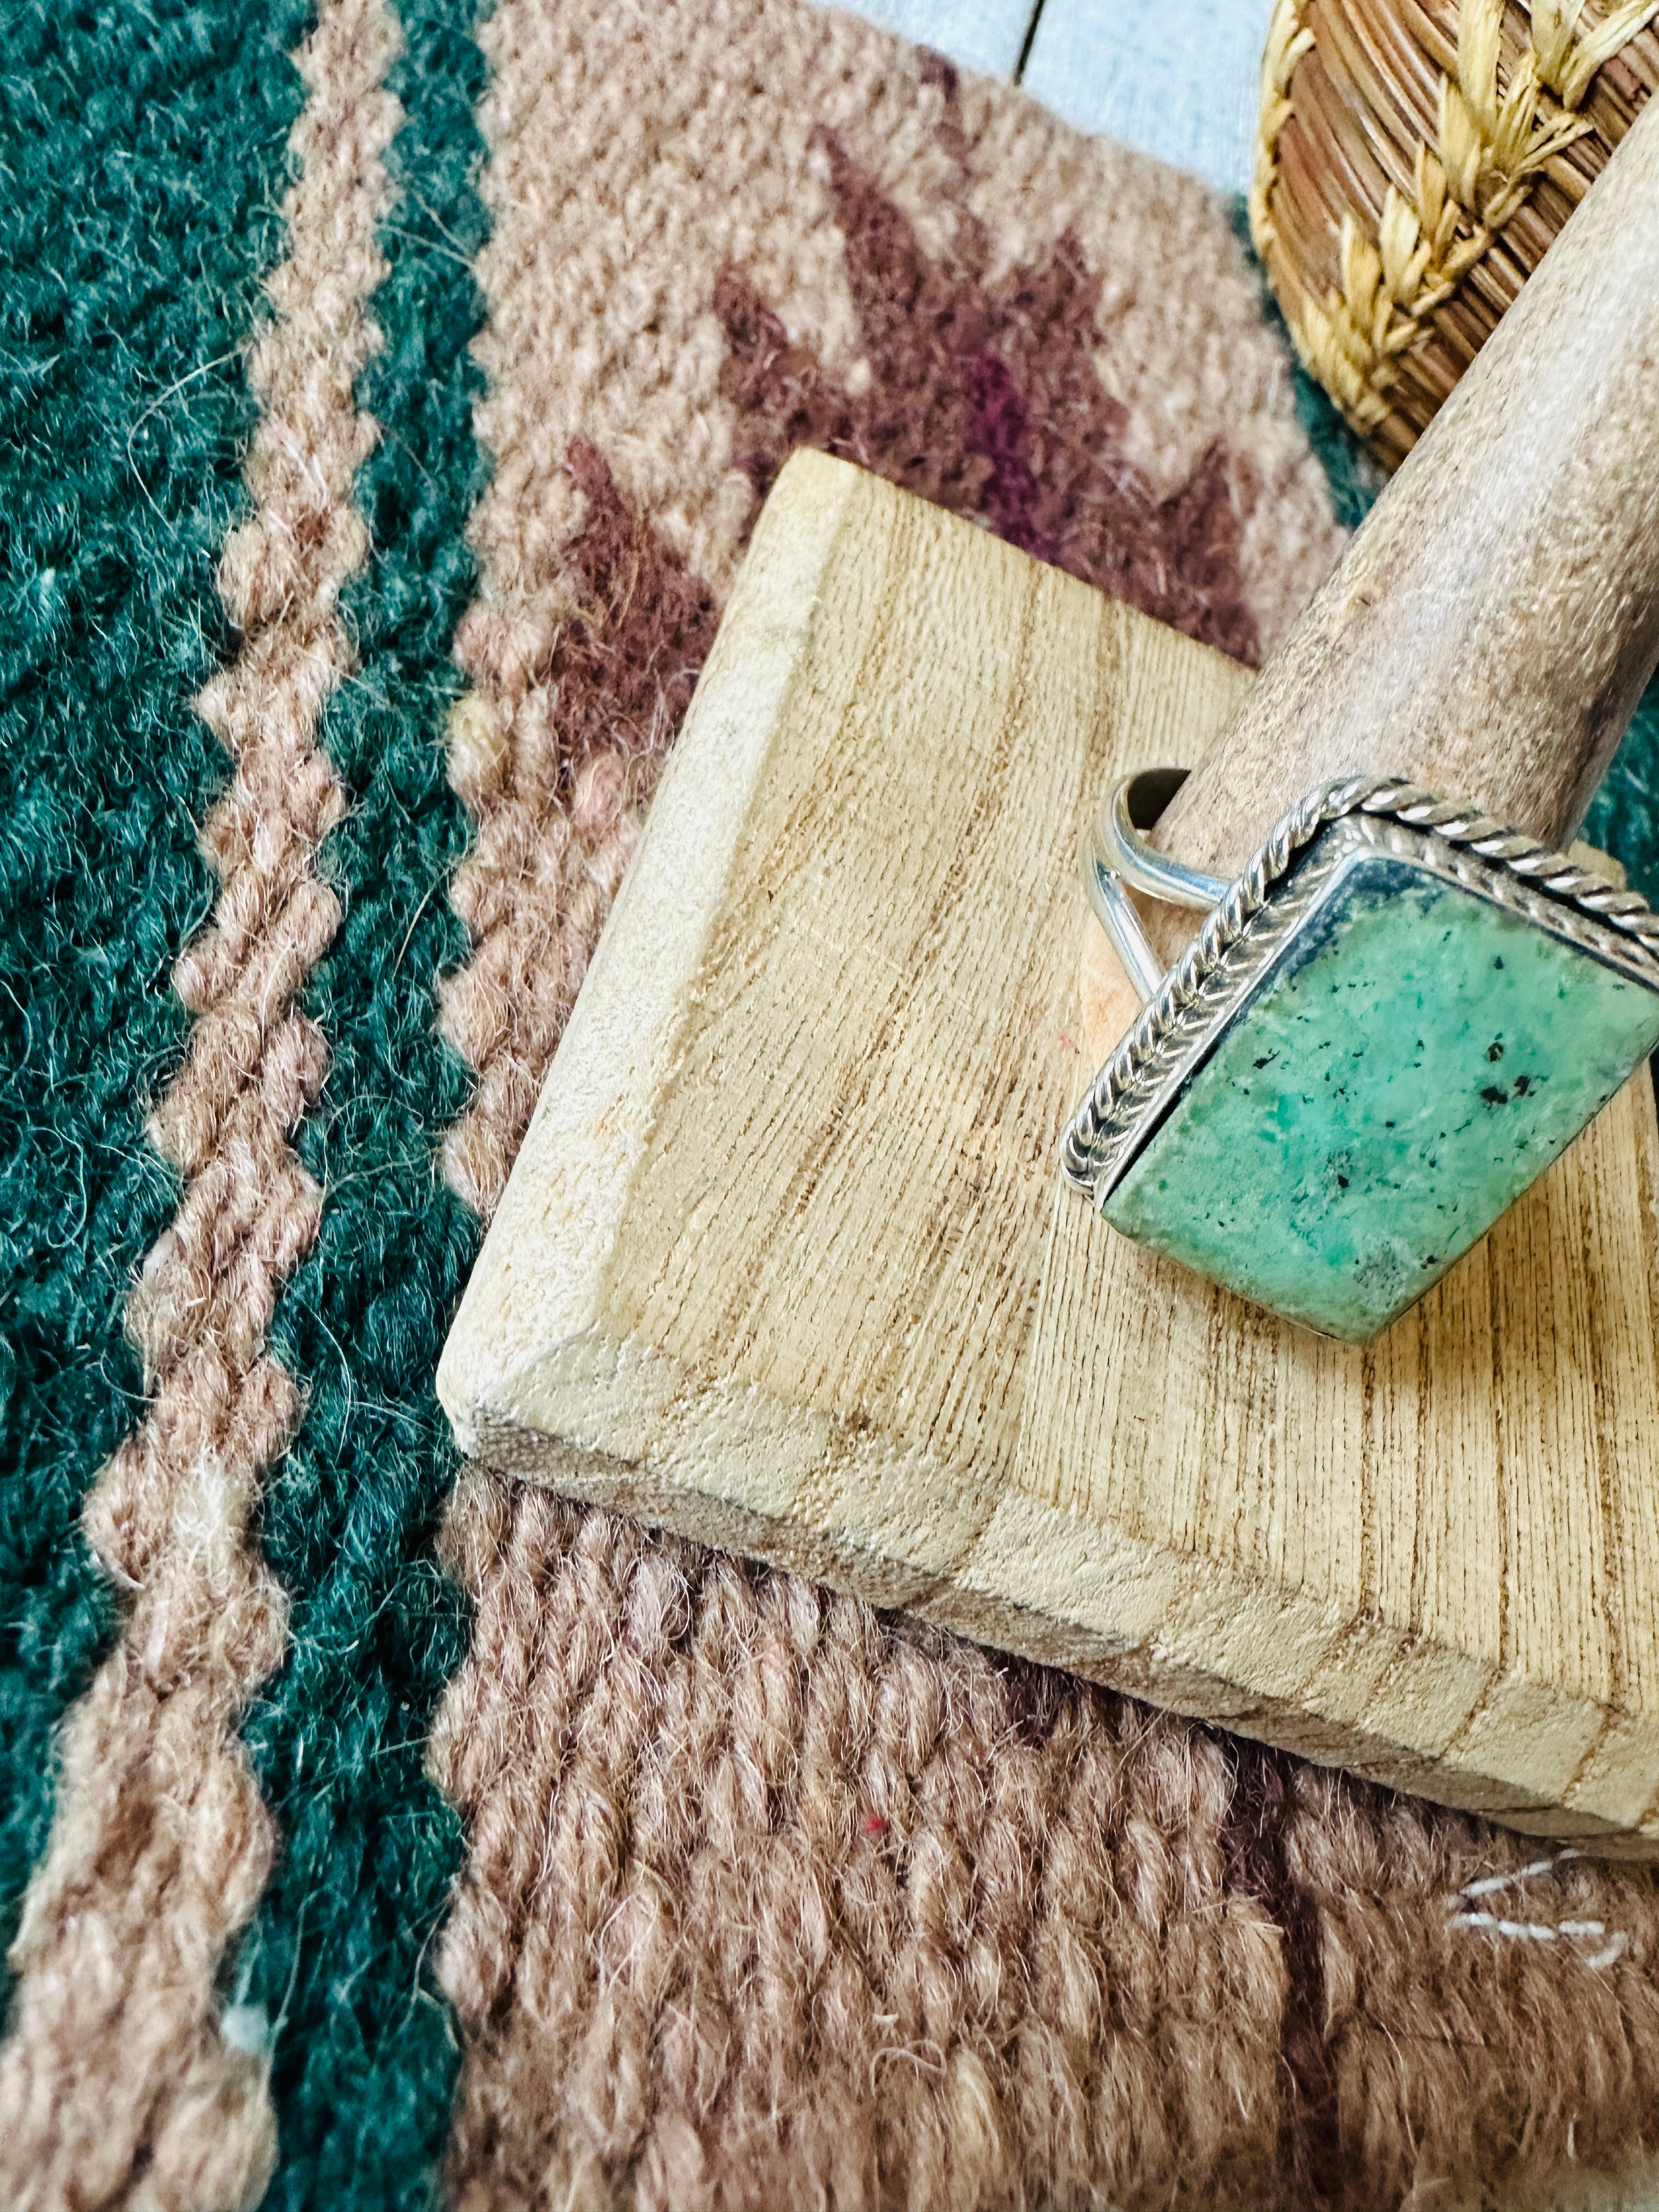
(118, 2085)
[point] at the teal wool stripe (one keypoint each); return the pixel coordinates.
(1624, 815)
(363, 2056)
(145, 158)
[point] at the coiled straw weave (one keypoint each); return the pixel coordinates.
(1413, 160)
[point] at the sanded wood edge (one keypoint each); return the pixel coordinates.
(619, 1424)
(541, 1271)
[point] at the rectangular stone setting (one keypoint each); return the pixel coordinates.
(1414, 1056)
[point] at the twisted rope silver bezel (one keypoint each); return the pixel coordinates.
(1102, 1136)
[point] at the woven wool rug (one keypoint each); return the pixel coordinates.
(384, 427)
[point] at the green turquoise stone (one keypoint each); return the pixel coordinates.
(1417, 1057)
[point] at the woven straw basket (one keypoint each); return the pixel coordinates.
(1413, 160)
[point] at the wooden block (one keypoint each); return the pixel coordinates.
(786, 1263)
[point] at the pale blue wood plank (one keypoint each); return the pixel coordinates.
(1176, 78)
(980, 34)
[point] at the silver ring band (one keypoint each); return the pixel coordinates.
(1113, 854)
(1129, 809)
(1114, 910)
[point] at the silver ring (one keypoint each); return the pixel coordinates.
(1112, 856)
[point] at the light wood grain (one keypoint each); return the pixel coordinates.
(786, 1264)
(1495, 618)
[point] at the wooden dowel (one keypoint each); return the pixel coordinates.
(1495, 618)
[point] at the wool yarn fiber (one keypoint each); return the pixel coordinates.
(392, 387)
(146, 158)
(336, 1971)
